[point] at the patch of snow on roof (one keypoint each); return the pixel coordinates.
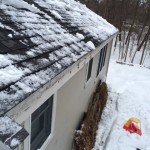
(58, 65)
(90, 44)
(30, 53)
(10, 35)
(1, 25)
(80, 36)
(21, 4)
(74, 57)
(11, 74)
(56, 14)
(14, 142)
(7, 126)
(4, 60)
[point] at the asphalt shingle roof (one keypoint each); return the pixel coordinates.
(41, 38)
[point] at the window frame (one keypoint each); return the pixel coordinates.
(48, 118)
(89, 70)
(101, 60)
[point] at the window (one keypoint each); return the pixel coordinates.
(89, 69)
(41, 124)
(102, 57)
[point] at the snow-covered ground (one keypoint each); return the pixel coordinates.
(129, 96)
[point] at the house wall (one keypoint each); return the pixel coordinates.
(70, 102)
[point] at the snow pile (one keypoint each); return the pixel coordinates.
(91, 45)
(132, 83)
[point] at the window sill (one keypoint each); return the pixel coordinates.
(47, 142)
(87, 82)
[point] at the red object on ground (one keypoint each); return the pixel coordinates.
(133, 126)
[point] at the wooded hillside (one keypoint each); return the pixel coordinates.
(132, 18)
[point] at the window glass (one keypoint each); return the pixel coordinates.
(89, 69)
(102, 57)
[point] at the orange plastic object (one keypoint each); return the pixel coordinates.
(133, 125)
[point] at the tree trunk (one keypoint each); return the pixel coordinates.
(144, 24)
(139, 47)
(134, 18)
(143, 51)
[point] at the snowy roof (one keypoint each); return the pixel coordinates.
(41, 38)
(11, 134)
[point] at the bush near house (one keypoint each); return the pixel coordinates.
(85, 137)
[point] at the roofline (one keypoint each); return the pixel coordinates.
(56, 82)
(91, 53)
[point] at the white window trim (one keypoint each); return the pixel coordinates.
(50, 137)
(97, 76)
(27, 125)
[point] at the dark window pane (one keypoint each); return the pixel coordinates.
(39, 110)
(102, 58)
(89, 69)
(99, 64)
(37, 127)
